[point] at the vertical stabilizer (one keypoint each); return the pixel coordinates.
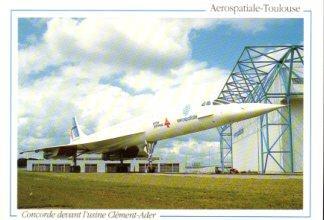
(76, 132)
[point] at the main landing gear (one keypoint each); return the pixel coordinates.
(149, 147)
(122, 168)
(75, 168)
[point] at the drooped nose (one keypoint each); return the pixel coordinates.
(256, 109)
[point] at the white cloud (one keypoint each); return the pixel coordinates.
(189, 151)
(143, 43)
(147, 80)
(151, 54)
(194, 80)
(126, 43)
(247, 25)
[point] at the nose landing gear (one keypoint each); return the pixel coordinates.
(149, 147)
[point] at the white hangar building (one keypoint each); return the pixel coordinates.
(271, 143)
(95, 165)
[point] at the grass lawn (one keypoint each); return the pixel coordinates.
(104, 190)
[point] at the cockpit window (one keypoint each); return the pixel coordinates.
(221, 101)
(215, 102)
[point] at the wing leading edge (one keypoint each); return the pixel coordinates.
(99, 146)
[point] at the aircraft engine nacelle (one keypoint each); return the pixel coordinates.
(128, 153)
(61, 153)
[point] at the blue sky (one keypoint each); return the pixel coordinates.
(222, 48)
(106, 71)
(219, 46)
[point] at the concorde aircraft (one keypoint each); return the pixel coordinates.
(137, 138)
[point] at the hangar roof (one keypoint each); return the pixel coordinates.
(257, 69)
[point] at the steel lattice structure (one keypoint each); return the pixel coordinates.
(264, 74)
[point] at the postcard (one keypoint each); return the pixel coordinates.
(146, 111)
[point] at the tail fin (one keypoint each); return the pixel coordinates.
(76, 132)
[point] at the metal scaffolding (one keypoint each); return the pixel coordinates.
(265, 74)
(225, 146)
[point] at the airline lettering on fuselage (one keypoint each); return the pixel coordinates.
(157, 124)
(191, 117)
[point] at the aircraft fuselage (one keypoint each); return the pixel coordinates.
(165, 126)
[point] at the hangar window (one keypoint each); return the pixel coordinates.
(239, 132)
(297, 80)
(90, 168)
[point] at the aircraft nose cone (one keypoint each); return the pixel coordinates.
(238, 112)
(261, 108)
